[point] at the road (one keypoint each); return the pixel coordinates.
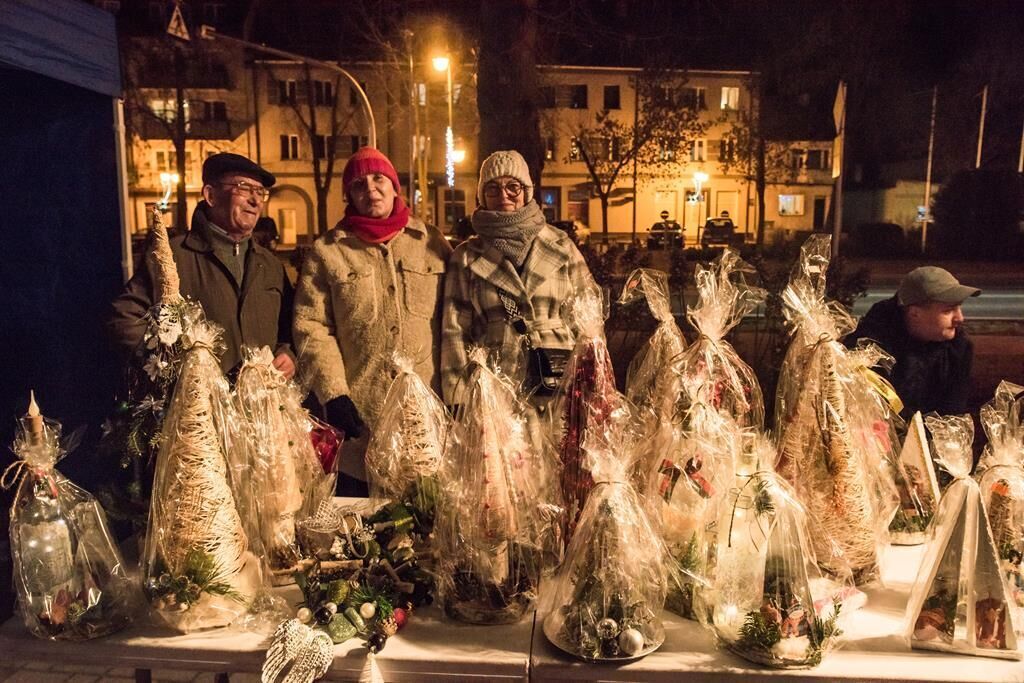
(993, 304)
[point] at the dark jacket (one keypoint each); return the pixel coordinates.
(928, 376)
(255, 312)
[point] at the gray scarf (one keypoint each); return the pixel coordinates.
(511, 232)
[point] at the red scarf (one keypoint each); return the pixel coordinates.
(376, 230)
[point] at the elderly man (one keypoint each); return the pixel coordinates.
(241, 285)
(921, 328)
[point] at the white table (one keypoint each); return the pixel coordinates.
(873, 649)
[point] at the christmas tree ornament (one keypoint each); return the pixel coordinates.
(917, 486)
(68, 573)
(766, 581)
(960, 601)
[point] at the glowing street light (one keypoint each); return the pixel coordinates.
(458, 155)
(442, 63)
(167, 181)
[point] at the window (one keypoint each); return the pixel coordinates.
(167, 161)
(547, 97)
(549, 148)
(791, 205)
(665, 153)
(454, 205)
(819, 159)
(727, 151)
(289, 147)
(207, 111)
(456, 92)
(575, 153)
(218, 111)
(322, 146)
(694, 98)
(730, 98)
(355, 142)
(611, 97)
(698, 150)
(421, 94)
(577, 97)
(323, 93)
(213, 12)
(287, 92)
(355, 100)
(167, 109)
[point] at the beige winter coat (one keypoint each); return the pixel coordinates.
(356, 304)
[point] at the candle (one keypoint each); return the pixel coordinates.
(35, 420)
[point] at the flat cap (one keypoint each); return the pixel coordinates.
(931, 283)
(217, 166)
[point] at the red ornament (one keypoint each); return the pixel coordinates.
(327, 443)
(401, 617)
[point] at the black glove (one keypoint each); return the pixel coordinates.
(342, 414)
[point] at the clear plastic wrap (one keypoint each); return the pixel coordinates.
(277, 458)
(650, 385)
(587, 405)
(770, 605)
(711, 371)
(918, 488)
(198, 565)
(1002, 485)
(960, 601)
(70, 579)
(499, 518)
(825, 418)
(407, 445)
(609, 592)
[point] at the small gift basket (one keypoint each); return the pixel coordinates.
(70, 579)
(279, 460)
(609, 593)
(960, 601)
(770, 604)
(407, 446)
(825, 419)
(1002, 484)
(650, 386)
(711, 371)
(499, 520)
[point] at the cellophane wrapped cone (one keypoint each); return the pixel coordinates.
(286, 480)
(198, 566)
(710, 370)
(769, 603)
(824, 417)
(499, 519)
(685, 492)
(609, 592)
(585, 404)
(1002, 485)
(960, 601)
(70, 579)
(407, 446)
(650, 385)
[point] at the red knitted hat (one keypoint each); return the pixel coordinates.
(366, 161)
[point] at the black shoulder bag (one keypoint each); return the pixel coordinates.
(544, 366)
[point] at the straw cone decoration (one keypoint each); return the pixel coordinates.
(168, 285)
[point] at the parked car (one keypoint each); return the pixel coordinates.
(665, 236)
(577, 231)
(718, 232)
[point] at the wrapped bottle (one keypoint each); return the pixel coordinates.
(70, 579)
(960, 601)
(769, 603)
(711, 371)
(609, 592)
(1002, 485)
(407, 446)
(499, 519)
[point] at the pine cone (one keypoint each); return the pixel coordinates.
(388, 626)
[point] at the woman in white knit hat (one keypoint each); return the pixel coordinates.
(505, 286)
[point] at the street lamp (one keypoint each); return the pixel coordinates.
(444, 64)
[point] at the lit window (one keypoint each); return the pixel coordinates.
(287, 92)
(289, 147)
(730, 98)
(575, 153)
(549, 149)
(699, 150)
(421, 94)
(791, 205)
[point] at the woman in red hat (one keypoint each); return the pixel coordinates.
(370, 287)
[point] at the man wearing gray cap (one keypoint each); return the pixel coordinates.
(921, 328)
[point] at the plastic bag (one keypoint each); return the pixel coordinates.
(1002, 484)
(198, 566)
(825, 418)
(499, 519)
(69, 576)
(917, 486)
(960, 601)
(609, 593)
(770, 604)
(587, 405)
(407, 447)
(278, 459)
(650, 385)
(710, 369)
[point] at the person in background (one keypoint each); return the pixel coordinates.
(368, 288)
(922, 328)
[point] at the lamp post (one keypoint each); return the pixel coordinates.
(445, 64)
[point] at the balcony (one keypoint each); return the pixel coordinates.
(150, 128)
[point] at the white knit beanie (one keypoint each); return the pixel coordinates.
(506, 162)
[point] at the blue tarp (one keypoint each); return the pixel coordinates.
(68, 40)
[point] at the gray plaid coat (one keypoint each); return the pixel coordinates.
(473, 314)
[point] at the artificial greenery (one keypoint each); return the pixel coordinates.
(197, 577)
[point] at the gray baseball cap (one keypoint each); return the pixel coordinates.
(931, 283)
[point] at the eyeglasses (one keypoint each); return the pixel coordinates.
(512, 189)
(249, 190)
